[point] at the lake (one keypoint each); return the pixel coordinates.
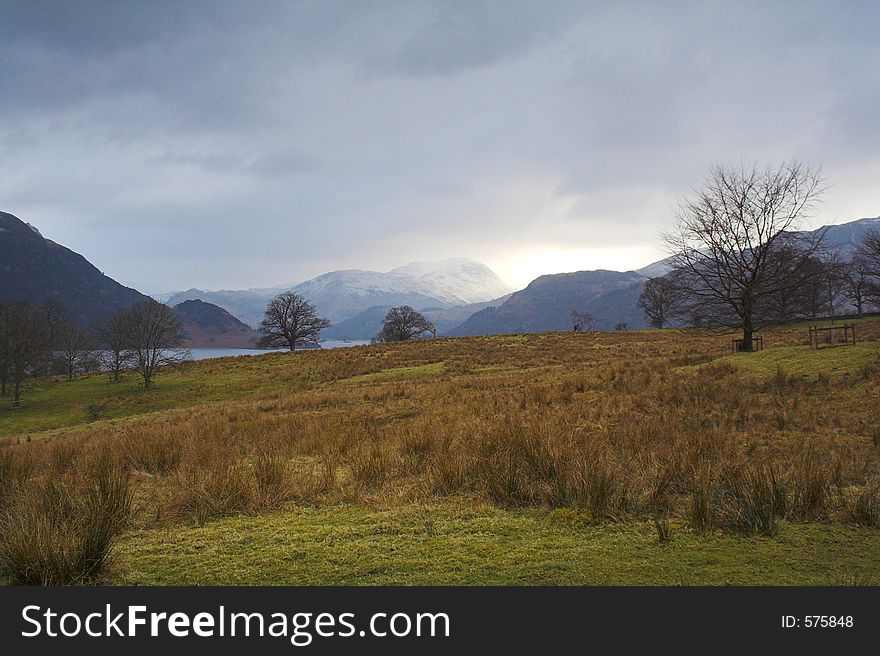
(207, 353)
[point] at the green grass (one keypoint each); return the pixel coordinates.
(416, 371)
(471, 544)
(807, 362)
(57, 403)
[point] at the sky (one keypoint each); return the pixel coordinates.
(254, 144)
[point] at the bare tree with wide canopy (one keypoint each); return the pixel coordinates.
(155, 337)
(114, 339)
(658, 300)
(76, 345)
(24, 345)
(291, 321)
(736, 246)
(404, 323)
(868, 258)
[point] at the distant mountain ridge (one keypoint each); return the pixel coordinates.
(246, 305)
(36, 269)
(366, 324)
(547, 302)
(340, 295)
(611, 297)
(463, 297)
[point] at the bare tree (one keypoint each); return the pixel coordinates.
(833, 282)
(857, 283)
(404, 323)
(5, 363)
(582, 321)
(113, 336)
(155, 337)
(868, 255)
(24, 342)
(76, 345)
(869, 251)
(735, 245)
(56, 317)
(658, 301)
(291, 321)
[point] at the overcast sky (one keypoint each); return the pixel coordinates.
(248, 144)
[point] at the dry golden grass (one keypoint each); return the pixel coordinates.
(620, 426)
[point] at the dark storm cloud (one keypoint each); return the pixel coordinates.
(247, 144)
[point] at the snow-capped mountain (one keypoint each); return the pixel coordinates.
(342, 294)
(459, 280)
(840, 238)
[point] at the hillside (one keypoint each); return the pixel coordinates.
(609, 296)
(36, 269)
(408, 463)
(366, 324)
(843, 238)
(208, 326)
(245, 305)
(546, 304)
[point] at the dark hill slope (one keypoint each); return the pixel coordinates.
(207, 325)
(35, 269)
(546, 304)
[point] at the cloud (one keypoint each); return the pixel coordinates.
(242, 147)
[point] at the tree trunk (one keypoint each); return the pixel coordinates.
(16, 395)
(747, 336)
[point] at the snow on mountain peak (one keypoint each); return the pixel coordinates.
(456, 279)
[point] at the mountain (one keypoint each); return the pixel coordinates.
(447, 319)
(841, 238)
(546, 304)
(207, 326)
(656, 269)
(457, 280)
(844, 237)
(609, 296)
(246, 305)
(36, 269)
(366, 324)
(340, 295)
(363, 325)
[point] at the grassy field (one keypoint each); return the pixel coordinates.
(636, 457)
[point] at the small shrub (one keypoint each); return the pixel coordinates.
(810, 484)
(661, 523)
(866, 509)
(752, 500)
(159, 453)
(94, 411)
(272, 479)
(224, 488)
(744, 499)
(61, 530)
(370, 465)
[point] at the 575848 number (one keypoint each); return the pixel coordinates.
(818, 621)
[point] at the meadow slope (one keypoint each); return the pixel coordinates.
(635, 457)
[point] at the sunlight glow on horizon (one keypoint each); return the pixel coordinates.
(522, 267)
